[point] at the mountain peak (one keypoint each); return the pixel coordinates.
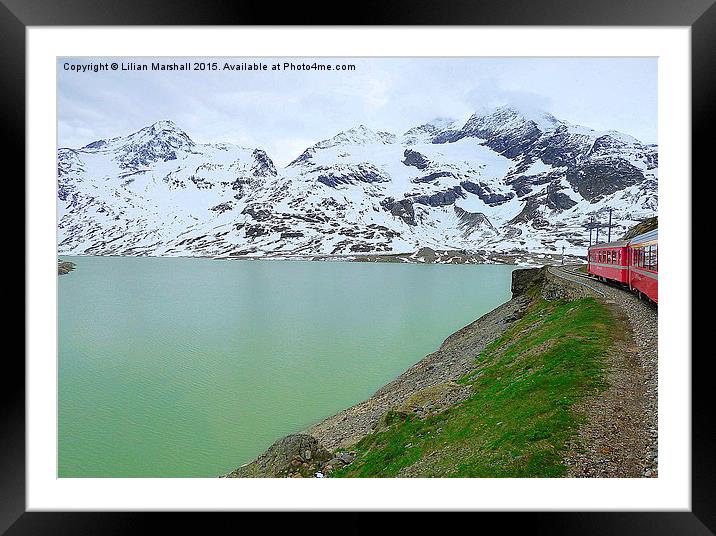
(164, 124)
(162, 127)
(426, 131)
(360, 135)
(511, 113)
(165, 131)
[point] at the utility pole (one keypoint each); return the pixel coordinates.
(562, 255)
(609, 233)
(597, 240)
(591, 226)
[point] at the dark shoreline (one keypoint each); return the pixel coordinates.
(64, 267)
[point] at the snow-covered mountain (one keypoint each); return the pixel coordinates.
(507, 180)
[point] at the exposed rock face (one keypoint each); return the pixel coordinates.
(402, 209)
(603, 178)
(432, 177)
(471, 222)
(367, 173)
(440, 199)
(415, 159)
(222, 207)
(559, 201)
(426, 255)
(299, 454)
(645, 226)
(484, 193)
(263, 165)
(524, 278)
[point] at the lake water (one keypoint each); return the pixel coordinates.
(192, 367)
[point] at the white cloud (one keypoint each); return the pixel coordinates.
(284, 112)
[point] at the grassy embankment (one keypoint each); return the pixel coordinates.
(520, 415)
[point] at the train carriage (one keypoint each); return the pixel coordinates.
(633, 263)
(644, 264)
(609, 261)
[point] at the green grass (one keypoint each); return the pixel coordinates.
(521, 411)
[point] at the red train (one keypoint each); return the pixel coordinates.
(633, 263)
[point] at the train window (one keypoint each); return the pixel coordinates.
(656, 258)
(650, 262)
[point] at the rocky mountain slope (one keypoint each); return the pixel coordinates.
(505, 181)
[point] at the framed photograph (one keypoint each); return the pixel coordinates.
(406, 264)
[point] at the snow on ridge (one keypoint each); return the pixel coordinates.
(510, 114)
(361, 191)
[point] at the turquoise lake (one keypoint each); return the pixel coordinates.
(177, 367)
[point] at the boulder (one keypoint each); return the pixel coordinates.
(294, 452)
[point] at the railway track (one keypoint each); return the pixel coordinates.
(570, 272)
(622, 425)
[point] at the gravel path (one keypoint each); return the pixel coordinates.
(620, 436)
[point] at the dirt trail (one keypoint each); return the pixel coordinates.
(620, 436)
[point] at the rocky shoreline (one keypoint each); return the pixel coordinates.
(427, 255)
(427, 387)
(64, 267)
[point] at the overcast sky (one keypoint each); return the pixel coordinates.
(284, 112)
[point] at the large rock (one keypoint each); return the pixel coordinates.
(415, 159)
(485, 194)
(524, 278)
(263, 166)
(440, 199)
(290, 455)
(402, 209)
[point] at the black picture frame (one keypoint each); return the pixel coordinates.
(699, 15)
